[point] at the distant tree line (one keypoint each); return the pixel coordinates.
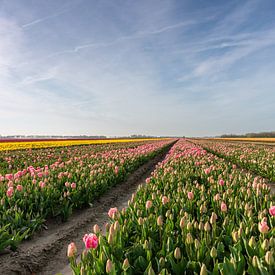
(251, 135)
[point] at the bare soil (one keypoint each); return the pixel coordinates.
(46, 252)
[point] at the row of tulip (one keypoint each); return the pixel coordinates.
(14, 161)
(33, 194)
(256, 157)
(196, 214)
(32, 144)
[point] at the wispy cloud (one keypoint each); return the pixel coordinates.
(40, 20)
(178, 61)
(137, 35)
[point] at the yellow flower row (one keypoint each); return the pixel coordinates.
(249, 139)
(4, 146)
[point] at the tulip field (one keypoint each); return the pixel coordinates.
(16, 144)
(257, 158)
(197, 213)
(37, 184)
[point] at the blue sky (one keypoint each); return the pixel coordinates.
(160, 67)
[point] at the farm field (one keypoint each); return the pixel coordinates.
(17, 144)
(205, 208)
(263, 141)
(255, 157)
(196, 213)
(60, 180)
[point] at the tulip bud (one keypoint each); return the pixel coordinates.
(189, 238)
(203, 270)
(96, 229)
(213, 252)
(71, 250)
(109, 266)
(151, 271)
(116, 226)
(177, 253)
(182, 223)
(146, 245)
(203, 209)
(213, 218)
(159, 221)
(255, 260)
(207, 227)
(189, 226)
(161, 262)
(112, 229)
(197, 244)
(235, 236)
(140, 221)
(252, 242)
(272, 242)
(125, 265)
(265, 244)
(269, 258)
(201, 226)
(110, 238)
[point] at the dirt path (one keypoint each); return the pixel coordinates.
(46, 252)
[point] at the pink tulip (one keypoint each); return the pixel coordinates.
(207, 171)
(223, 207)
(40, 174)
(164, 200)
(272, 210)
(263, 227)
(71, 250)
(9, 176)
(10, 191)
(147, 180)
(217, 197)
(73, 185)
(221, 182)
(19, 188)
(10, 184)
(90, 240)
(190, 195)
(148, 204)
(67, 184)
(112, 212)
(42, 184)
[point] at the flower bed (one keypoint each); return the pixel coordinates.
(197, 214)
(33, 194)
(257, 158)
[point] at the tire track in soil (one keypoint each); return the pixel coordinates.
(46, 252)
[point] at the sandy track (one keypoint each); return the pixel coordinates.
(45, 252)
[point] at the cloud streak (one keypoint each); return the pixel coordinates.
(179, 68)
